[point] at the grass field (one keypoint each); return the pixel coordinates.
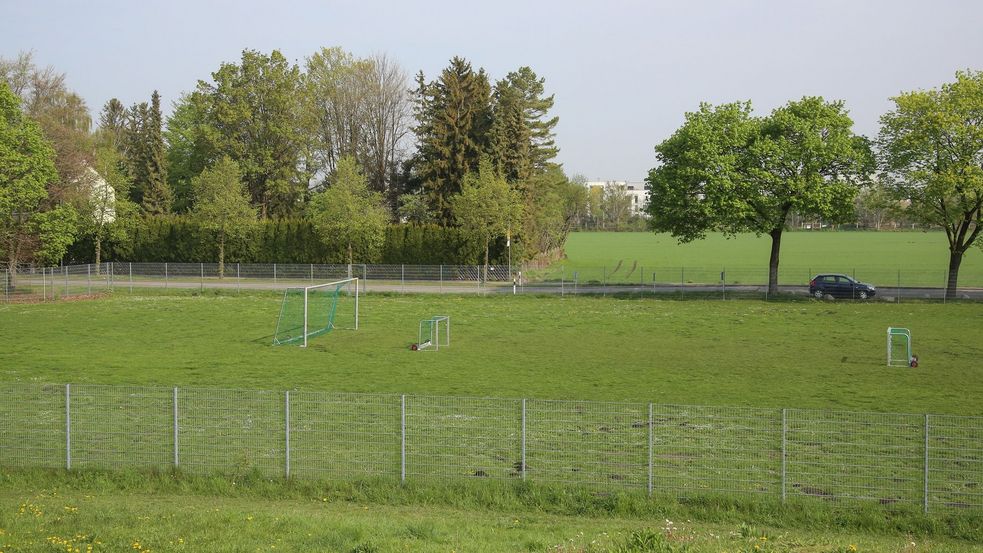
(796, 353)
(804, 353)
(921, 257)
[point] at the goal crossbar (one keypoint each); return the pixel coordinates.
(287, 333)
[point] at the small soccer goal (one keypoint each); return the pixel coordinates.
(311, 311)
(899, 348)
(435, 333)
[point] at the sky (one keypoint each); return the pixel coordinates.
(624, 73)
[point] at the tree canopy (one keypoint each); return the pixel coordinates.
(931, 147)
(729, 171)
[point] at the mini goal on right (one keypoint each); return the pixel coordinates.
(434, 333)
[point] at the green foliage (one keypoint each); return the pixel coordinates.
(932, 151)
(349, 213)
(453, 119)
(487, 206)
(107, 211)
(729, 171)
(222, 205)
(253, 114)
(29, 228)
(157, 196)
(522, 137)
(188, 152)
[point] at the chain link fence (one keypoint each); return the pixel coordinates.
(44, 283)
(926, 462)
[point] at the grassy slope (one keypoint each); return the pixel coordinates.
(780, 354)
(922, 257)
(49, 511)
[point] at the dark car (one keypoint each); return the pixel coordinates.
(839, 286)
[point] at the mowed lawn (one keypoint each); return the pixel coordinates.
(922, 258)
(804, 353)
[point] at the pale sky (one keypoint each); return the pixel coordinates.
(623, 72)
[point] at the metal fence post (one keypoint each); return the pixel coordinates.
(925, 506)
(441, 278)
(651, 445)
(286, 426)
(274, 274)
(202, 267)
(65, 268)
(131, 277)
(44, 286)
(784, 451)
(165, 274)
(402, 278)
(402, 439)
(237, 276)
(68, 427)
(312, 273)
(88, 278)
(176, 449)
(523, 438)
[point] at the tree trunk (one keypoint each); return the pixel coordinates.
(349, 255)
(11, 267)
(221, 256)
(98, 252)
(955, 259)
(776, 244)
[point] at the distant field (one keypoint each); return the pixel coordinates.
(780, 354)
(921, 257)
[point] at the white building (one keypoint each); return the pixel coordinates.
(634, 189)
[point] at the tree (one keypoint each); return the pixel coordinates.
(350, 213)
(522, 136)
(30, 228)
(157, 195)
(222, 205)
(487, 206)
(107, 212)
(615, 204)
(188, 149)
(254, 113)
(729, 171)
(931, 148)
(453, 117)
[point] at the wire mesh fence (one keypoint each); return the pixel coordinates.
(927, 462)
(48, 283)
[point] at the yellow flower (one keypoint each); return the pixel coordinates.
(853, 547)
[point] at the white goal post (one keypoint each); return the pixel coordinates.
(309, 311)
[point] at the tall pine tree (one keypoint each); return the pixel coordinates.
(523, 139)
(157, 196)
(453, 122)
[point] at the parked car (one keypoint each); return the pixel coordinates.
(839, 286)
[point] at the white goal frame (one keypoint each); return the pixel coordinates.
(434, 339)
(335, 284)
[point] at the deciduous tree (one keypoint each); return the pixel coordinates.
(348, 212)
(487, 207)
(729, 171)
(222, 205)
(931, 147)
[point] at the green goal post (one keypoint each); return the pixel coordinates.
(434, 333)
(310, 311)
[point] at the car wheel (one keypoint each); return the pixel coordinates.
(818, 294)
(862, 295)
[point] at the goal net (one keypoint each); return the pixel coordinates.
(315, 310)
(434, 332)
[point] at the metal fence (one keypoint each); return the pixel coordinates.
(42, 283)
(925, 462)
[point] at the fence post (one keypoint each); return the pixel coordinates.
(784, 451)
(237, 276)
(176, 449)
(165, 274)
(682, 280)
(88, 278)
(202, 267)
(312, 273)
(651, 445)
(131, 277)
(899, 286)
(441, 278)
(723, 283)
(44, 286)
(523, 438)
(286, 426)
(925, 506)
(402, 278)
(274, 274)
(68, 427)
(402, 438)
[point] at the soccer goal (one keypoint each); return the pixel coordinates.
(315, 310)
(434, 333)
(899, 347)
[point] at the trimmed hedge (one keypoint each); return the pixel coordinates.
(178, 239)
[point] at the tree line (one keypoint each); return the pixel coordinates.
(729, 170)
(346, 143)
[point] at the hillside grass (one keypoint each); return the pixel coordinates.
(919, 258)
(796, 353)
(93, 511)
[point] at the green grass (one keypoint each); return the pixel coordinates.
(921, 257)
(804, 354)
(45, 511)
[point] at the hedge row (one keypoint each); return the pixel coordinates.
(179, 239)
